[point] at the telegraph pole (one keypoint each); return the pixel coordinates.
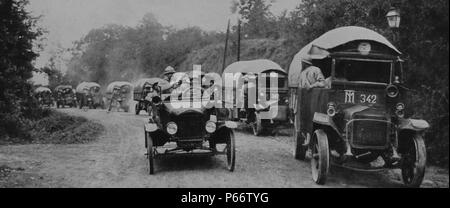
(226, 47)
(239, 41)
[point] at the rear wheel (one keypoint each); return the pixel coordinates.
(320, 157)
(150, 153)
(300, 150)
(231, 151)
(414, 161)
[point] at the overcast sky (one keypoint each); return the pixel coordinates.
(68, 20)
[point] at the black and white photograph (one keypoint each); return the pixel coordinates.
(212, 94)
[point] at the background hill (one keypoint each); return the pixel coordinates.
(211, 56)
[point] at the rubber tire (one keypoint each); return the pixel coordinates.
(231, 151)
(300, 150)
(321, 165)
(418, 168)
(150, 155)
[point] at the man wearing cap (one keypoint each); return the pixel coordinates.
(312, 76)
(168, 74)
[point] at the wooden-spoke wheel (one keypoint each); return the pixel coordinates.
(320, 157)
(150, 153)
(299, 149)
(231, 151)
(414, 161)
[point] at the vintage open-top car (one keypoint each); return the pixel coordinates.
(143, 89)
(272, 100)
(192, 127)
(118, 95)
(358, 119)
(89, 95)
(44, 96)
(65, 96)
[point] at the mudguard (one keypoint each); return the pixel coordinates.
(227, 125)
(325, 120)
(413, 124)
(231, 124)
(151, 127)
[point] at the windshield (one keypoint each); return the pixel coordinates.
(362, 71)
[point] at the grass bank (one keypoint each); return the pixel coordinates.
(51, 128)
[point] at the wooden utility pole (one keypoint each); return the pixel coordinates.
(226, 47)
(239, 41)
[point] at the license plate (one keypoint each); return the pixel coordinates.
(351, 96)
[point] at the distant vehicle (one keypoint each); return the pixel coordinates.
(358, 120)
(271, 100)
(89, 95)
(118, 95)
(193, 130)
(143, 91)
(44, 96)
(65, 96)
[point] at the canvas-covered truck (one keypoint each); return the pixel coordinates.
(118, 95)
(357, 119)
(267, 99)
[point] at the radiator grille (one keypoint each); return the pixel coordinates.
(190, 126)
(369, 134)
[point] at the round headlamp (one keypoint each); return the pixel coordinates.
(172, 128)
(331, 111)
(392, 91)
(400, 110)
(210, 127)
(400, 106)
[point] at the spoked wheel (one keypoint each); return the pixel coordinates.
(231, 151)
(300, 150)
(414, 161)
(320, 157)
(150, 153)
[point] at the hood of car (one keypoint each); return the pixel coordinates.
(182, 107)
(364, 112)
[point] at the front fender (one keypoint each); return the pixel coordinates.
(325, 120)
(413, 124)
(228, 124)
(151, 127)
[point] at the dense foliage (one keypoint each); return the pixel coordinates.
(18, 32)
(115, 52)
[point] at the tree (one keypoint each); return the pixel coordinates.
(258, 21)
(17, 32)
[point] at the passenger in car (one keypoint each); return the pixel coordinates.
(312, 76)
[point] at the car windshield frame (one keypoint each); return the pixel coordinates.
(391, 69)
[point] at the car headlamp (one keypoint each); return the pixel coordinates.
(392, 91)
(331, 111)
(172, 128)
(400, 110)
(210, 127)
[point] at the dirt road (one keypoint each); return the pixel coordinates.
(117, 159)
